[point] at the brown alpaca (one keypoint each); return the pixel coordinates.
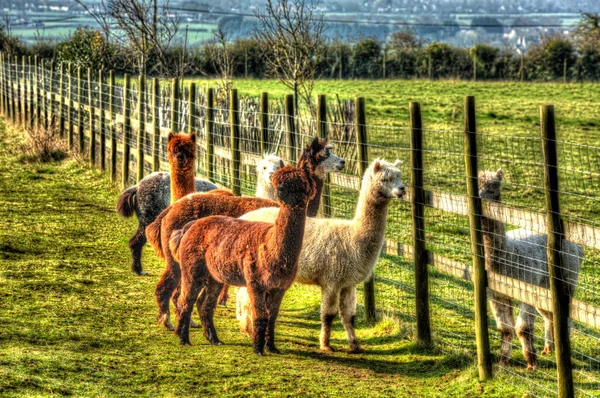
(181, 149)
(197, 206)
(261, 256)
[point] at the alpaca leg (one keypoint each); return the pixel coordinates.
(136, 244)
(548, 331)
(273, 302)
(168, 283)
(348, 313)
(260, 321)
(224, 296)
(244, 311)
(174, 299)
(187, 298)
(525, 324)
(207, 311)
(505, 321)
(329, 305)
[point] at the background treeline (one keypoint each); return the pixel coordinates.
(404, 55)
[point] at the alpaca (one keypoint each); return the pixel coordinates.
(153, 193)
(521, 254)
(265, 170)
(339, 254)
(261, 256)
(197, 206)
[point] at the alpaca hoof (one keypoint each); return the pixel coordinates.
(163, 320)
(531, 366)
(217, 342)
(356, 350)
(327, 348)
(185, 343)
(547, 351)
(259, 353)
(273, 350)
(222, 303)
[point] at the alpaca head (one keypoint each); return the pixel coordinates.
(181, 149)
(330, 162)
(490, 184)
(384, 179)
(294, 187)
(314, 154)
(267, 167)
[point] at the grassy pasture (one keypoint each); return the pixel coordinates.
(76, 321)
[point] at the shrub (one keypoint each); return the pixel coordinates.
(44, 145)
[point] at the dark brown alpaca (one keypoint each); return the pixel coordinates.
(181, 149)
(261, 256)
(196, 206)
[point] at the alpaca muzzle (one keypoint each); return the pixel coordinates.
(399, 192)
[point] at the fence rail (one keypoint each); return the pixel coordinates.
(126, 125)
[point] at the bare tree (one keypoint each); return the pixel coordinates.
(219, 53)
(292, 32)
(146, 29)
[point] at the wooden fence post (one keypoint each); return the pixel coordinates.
(69, 107)
(484, 360)
(324, 133)
(2, 84)
(210, 125)
(112, 129)
(126, 130)
(102, 126)
(234, 121)
(31, 110)
(80, 102)
(91, 116)
(155, 124)
(558, 284)
(24, 88)
(21, 89)
(50, 102)
(418, 224)
(363, 165)
(11, 98)
(61, 93)
(191, 107)
(383, 66)
(141, 137)
(290, 128)
(264, 123)
(474, 65)
(44, 94)
(175, 98)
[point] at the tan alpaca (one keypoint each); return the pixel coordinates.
(339, 254)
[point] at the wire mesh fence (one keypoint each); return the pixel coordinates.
(514, 219)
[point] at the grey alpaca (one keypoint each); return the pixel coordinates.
(521, 254)
(147, 200)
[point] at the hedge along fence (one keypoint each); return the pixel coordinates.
(434, 279)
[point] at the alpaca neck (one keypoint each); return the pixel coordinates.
(265, 191)
(182, 182)
(371, 214)
(288, 233)
(313, 205)
(494, 244)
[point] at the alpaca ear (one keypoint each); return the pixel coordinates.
(500, 174)
(193, 137)
(170, 136)
(281, 164)
(314, 145)
(376, 166)
(397, 163)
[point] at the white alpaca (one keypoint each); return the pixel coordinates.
(521, 254)
(264, 172)
(339, 254)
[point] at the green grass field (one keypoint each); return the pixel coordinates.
(76, 321)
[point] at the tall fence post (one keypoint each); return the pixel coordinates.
(69, 107)
(191, 107)
(61, 105)
(264, 123)
(558, 285)
(112, 129)
(175, 98)
(36, 82)
(102, 120)
(80, 102)
(324, 133)
(44, 94)
(484, 360)
(11, 97)
(290, 128)
(50, 101)
(210, 126)
(24, 86)
(126, 130)
(141, 136)
(234, 121)
(21, 90)
(418, 224)
(2, 84)
(383, 66)
(363, 164)
(30, 112)
(91, 118)
(155, 124)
